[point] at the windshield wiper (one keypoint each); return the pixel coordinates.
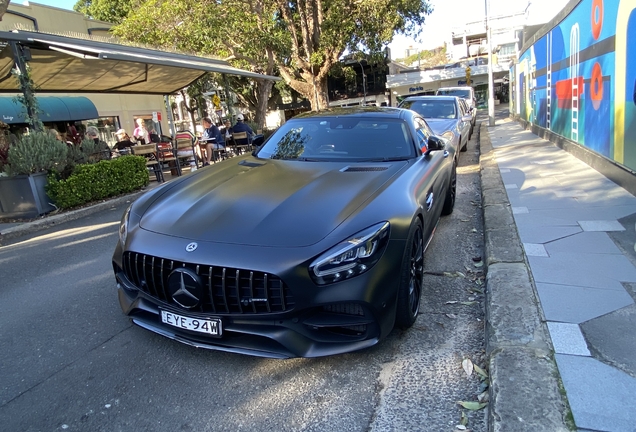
(388, 159)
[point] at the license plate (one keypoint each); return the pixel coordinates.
(210, 326)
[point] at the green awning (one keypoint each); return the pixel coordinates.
(53, 109)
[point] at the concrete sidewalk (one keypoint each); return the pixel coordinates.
(560, 249)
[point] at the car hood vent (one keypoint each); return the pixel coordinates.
(364, 168)
(250, 164)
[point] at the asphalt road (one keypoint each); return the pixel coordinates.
(70, 360)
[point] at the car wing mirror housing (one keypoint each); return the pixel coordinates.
(434, 144)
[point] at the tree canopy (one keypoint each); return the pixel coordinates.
(299, 39)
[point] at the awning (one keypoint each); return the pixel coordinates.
(54, 109)
(66, 64)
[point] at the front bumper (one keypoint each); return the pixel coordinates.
(314, 321)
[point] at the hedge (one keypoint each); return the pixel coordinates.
(93, 182)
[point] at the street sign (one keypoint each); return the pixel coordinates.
(155, 117)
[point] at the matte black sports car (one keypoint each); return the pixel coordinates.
(313, 245)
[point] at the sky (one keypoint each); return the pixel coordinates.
(453, 13)
(446, 14)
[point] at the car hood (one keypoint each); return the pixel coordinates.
(265, 202)
(439, 126)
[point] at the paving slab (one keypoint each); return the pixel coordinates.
(546, 234)
(568, 339)
(581, 269)
(600, 396)
(582, 242)
(611, 337)
(577, 304)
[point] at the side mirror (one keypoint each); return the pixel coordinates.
(434, 144)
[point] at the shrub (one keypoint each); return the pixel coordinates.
(92, 182)
(36, 152)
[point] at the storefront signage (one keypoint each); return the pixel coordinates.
(416, 89)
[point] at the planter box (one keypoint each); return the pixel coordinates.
(24, 196)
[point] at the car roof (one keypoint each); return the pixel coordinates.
(456, 88)
(366, 112)
(431, 97)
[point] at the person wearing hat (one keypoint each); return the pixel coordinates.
(240, 126)
(124, 143)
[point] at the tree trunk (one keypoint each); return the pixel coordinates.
(264, 88)
(4, 5)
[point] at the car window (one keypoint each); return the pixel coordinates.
(464, 93)
(432, 108)
(339, 138)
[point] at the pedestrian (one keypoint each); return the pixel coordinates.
(124, 143)
(102, 151)
(140, 133)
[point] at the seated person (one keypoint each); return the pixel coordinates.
(227, 130)
(210, 139)
(240, 126)
(124, 143)
(102, 149)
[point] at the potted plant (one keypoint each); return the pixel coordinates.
(24, 174)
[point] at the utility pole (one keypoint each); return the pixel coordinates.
(364, 84)
(491, 87)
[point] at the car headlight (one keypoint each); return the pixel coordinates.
(351, 257)
(449, 135)
(123, 226)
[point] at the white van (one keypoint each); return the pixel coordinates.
(467, 93)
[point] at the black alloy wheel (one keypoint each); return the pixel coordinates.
(412, 278)
(449, 202)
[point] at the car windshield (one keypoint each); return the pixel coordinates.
(454, 92)
(340, 138)
(432, 109)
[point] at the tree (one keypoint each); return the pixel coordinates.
(4, 5)
(112, 11)
(322, 30)
(300, 39)
(239, 31)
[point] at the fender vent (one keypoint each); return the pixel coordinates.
(364, 168)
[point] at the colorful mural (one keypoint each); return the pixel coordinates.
(579, 79)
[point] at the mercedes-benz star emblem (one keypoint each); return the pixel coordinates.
(191, 247)
(185, 287)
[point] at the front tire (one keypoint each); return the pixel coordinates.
(411, 278)
(449, 202)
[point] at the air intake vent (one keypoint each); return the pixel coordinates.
(364, 168)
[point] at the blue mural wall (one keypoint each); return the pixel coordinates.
(579, 79)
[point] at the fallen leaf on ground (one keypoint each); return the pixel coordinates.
(460, 427)
(478, 264)
(473, 230)
(451, 316)
(468, 303)
(481, 372)
(473, 406)
(451, 302)
(460, 274)
(464, 419)
(476, 259)
(465, 220)
(468, 367)
(483, 397)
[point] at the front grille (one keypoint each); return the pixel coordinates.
(226, 290)
(344, 309)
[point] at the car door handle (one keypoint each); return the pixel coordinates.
(446, 153)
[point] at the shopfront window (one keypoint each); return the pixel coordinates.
(107, 126)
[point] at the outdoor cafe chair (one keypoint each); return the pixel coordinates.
(186, 151)
(167, 157)
(149, 151)
(240, 148)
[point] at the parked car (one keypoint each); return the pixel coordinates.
(465, 92)
(312, 245)
(443, 114)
